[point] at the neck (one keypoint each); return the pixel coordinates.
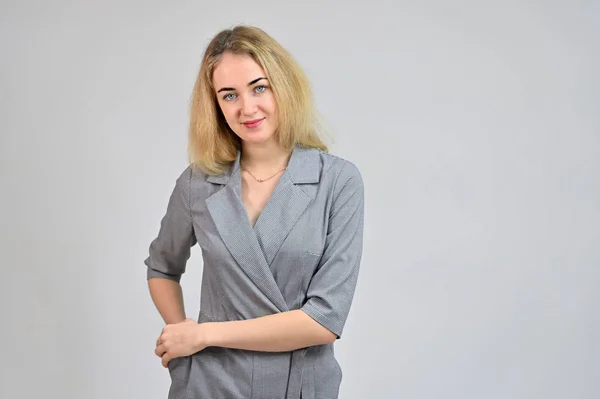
(264, 157)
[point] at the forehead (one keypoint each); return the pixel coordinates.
(236, 70)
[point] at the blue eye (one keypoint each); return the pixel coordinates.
(228, 96)
(260, 89)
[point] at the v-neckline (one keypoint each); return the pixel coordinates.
(267, 203)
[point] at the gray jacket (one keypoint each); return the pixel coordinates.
(303, 252)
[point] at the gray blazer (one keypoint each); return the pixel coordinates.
(303, 252)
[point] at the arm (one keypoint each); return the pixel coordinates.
(169, 252)
(280, 332)
(168, 299)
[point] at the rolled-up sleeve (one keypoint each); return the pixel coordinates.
(171, 249)
(331, 289)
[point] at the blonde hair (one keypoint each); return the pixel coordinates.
(212, 145)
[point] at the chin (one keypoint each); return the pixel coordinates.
(257, 138)
(254, 140)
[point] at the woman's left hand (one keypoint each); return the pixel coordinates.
(179, 340)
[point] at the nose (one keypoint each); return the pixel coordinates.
(248, 105)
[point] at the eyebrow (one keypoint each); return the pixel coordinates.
(249, 84)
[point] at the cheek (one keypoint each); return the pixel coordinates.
(268, 104)
(229, 114)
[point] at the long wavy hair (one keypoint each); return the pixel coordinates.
(212, 145)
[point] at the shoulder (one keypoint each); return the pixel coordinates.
(190, 179)
(340, 170)
(188, 174)
(192, 173)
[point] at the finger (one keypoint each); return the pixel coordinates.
(165, 360)
(160, 350)
(161, 339)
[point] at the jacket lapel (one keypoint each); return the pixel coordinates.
(254, 248)
(287, 202)
(231, 220)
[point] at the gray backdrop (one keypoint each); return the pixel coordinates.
(476, 127)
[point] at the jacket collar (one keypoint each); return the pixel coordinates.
(304, 167)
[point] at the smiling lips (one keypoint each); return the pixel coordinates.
(253, 124)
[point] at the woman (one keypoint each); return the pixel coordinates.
(279, 222)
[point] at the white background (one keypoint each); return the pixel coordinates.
(475, 124)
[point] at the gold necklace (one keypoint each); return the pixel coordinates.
(263, 180)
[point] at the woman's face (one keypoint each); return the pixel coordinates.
(245, 98)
